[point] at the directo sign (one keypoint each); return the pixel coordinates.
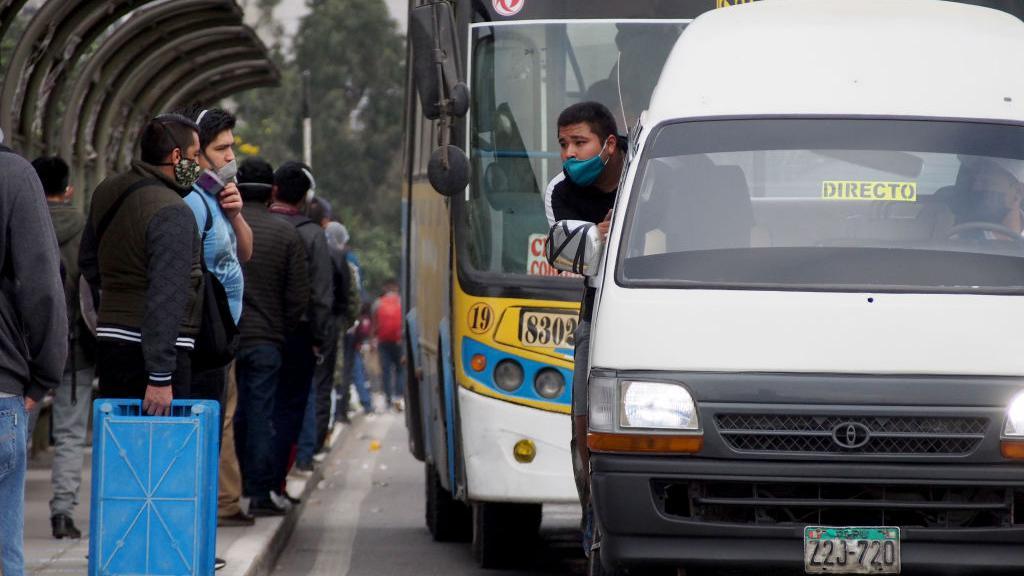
(508, 7)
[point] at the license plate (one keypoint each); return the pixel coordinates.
(547, 329)
(852, 550)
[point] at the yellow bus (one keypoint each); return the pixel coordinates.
(489, 323)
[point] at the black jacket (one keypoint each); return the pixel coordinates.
(276, 282)
(321, 273)
(33, 317)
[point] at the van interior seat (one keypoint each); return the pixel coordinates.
(711, 211)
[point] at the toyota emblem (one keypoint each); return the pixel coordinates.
(851, 435)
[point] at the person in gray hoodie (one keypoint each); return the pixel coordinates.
(71, 400)
(33, 336)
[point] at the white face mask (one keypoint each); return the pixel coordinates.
(227, 172)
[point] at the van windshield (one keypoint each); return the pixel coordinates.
(869, 204)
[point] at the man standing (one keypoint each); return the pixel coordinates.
(593, 158)
(141, 247)
(293, 188)
(217, 206)
(387, 330)
(275, 299)
(33, 336)
(72, 399)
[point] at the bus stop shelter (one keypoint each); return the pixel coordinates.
(85, 75)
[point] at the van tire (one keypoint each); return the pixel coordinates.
(502, 530)
(447, 519)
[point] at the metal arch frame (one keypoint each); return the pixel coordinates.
(249, 69)
(8, 13)
(143, 77)
(161, 23)
(232, 66)
(56, 27)
(210, 96)
(113, 81)
(221, 91)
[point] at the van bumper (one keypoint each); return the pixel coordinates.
(639, 506)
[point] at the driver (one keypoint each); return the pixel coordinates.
(993, 195)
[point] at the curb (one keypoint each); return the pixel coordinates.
(263, 563)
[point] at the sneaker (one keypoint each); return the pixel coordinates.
(304, 469)
(240, 518)
(264, 506)
(219, 563)
(319, 457)
(284, 500)
(64, 527)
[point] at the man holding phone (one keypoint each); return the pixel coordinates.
(226, 246)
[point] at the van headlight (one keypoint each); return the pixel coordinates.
(638, 417)
(658, 405)
(640, 405)
(1015, 417)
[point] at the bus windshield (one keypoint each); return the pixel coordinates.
(872, 204)
(522, 76)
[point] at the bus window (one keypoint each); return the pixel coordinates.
(523, 76)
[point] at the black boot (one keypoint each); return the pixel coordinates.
(64, 527)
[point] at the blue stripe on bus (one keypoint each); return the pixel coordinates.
(526, 391)
(449, 402)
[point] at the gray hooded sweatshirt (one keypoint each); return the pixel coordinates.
(33, 317)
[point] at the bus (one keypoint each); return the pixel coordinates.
(489, 332)
(489, 324)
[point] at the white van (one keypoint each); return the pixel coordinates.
(808, 345)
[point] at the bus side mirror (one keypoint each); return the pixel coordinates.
(448, 170)
(575, 246)
(436, 61)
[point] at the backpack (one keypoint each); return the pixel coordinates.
(388, 318)
(218, 338)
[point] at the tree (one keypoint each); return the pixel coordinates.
(356, 59)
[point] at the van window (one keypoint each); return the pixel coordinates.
(829, 203)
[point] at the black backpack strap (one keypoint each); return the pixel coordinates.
(108, 217)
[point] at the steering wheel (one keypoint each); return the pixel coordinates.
(987, 227)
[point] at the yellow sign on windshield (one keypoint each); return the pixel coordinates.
(865, 190)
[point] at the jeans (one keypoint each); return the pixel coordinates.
(307, 437)
(258, 370)
(70, 423)
(297, 367)
(318, 407)
(353, 374)
(391, 373)
(13, 459)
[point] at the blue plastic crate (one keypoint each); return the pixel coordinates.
(154, 489)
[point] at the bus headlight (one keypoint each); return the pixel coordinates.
(508, 375)
(549, 383)
(1015, 417)
(658, 405)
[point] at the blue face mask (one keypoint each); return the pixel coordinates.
(584, 172)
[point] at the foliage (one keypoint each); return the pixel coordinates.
(355, 55)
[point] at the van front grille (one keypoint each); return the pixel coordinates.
(837, 434)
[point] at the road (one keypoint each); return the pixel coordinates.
(366, 518)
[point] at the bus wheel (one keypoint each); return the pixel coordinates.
(501, 530)
(447, 518)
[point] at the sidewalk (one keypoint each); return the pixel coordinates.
(250, 551)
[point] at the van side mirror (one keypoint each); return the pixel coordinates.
(575, 246)
(436, 61)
